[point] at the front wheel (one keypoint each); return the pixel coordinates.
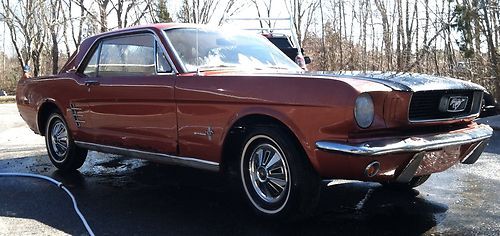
(276, 176)
(63, 152)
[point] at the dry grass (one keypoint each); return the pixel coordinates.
(7, 99)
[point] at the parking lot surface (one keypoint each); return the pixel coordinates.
(121, 196)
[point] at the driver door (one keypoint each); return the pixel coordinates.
(131, 94)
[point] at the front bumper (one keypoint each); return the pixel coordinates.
(411, 144)
(401, 159)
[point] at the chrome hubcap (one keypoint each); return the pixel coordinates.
(268, 173)
(261, 174)
(59, 139)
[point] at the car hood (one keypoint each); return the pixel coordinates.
(404, 81)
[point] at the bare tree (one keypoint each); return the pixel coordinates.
(232, 8)
(52, 21)
(12, 23)
(404, 35)
(103, 14)
(302, 12)
(364, 4)
(387, 39)
(130, 12)
(324, 60)
(492, 51)
(263, 12)
(27, 34)
(197, 11)
(205, 11)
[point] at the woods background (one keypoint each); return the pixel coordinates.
(457, 38)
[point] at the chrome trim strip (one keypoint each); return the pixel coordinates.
(445, 119)
(124, 33)
(174, 51)
(152, 156)
(411, 144)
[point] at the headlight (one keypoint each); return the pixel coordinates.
(364, 112)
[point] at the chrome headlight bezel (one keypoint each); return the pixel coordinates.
(364, 110)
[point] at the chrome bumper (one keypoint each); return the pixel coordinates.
(412, 144)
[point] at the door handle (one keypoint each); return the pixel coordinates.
(89, 83)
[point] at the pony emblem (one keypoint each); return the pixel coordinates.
(457, 104)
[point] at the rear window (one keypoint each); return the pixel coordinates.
(281, 42)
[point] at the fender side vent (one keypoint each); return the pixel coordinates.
(76, 116)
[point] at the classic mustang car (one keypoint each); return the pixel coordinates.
(230, 101)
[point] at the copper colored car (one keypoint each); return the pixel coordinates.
(231, 102)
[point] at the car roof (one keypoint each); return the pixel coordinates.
(159, 26)
(86, 44)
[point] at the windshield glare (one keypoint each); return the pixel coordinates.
(218, 49)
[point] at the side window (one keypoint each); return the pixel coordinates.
(127, 56)
(91, 68)
(162, 65)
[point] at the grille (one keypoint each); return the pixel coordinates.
(424, 105)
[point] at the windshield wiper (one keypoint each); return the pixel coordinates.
(277, 67)
(215, 67)
(271, 67)
(225, 66)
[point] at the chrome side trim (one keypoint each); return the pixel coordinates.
(445, 119)
(170, 45)
(152, 156)
(411, 144)
(111, 34)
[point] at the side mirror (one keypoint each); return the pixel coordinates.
(307, 60)
(26, 69)
(26, 72)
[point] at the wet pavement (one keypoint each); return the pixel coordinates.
(121, 196)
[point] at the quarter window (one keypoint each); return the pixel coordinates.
(91, 68)
(127, 56)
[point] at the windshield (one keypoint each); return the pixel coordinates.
(216, 49)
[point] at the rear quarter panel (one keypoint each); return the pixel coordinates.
(33, 93)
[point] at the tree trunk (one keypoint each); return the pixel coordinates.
(103, 15)
(426, 32)
(494, 68)
(386, 33)
(55, 53)
(341, 51)
(419, 67)
(399, 36)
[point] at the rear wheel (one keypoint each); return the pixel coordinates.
(63, 152)
(276, 176)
